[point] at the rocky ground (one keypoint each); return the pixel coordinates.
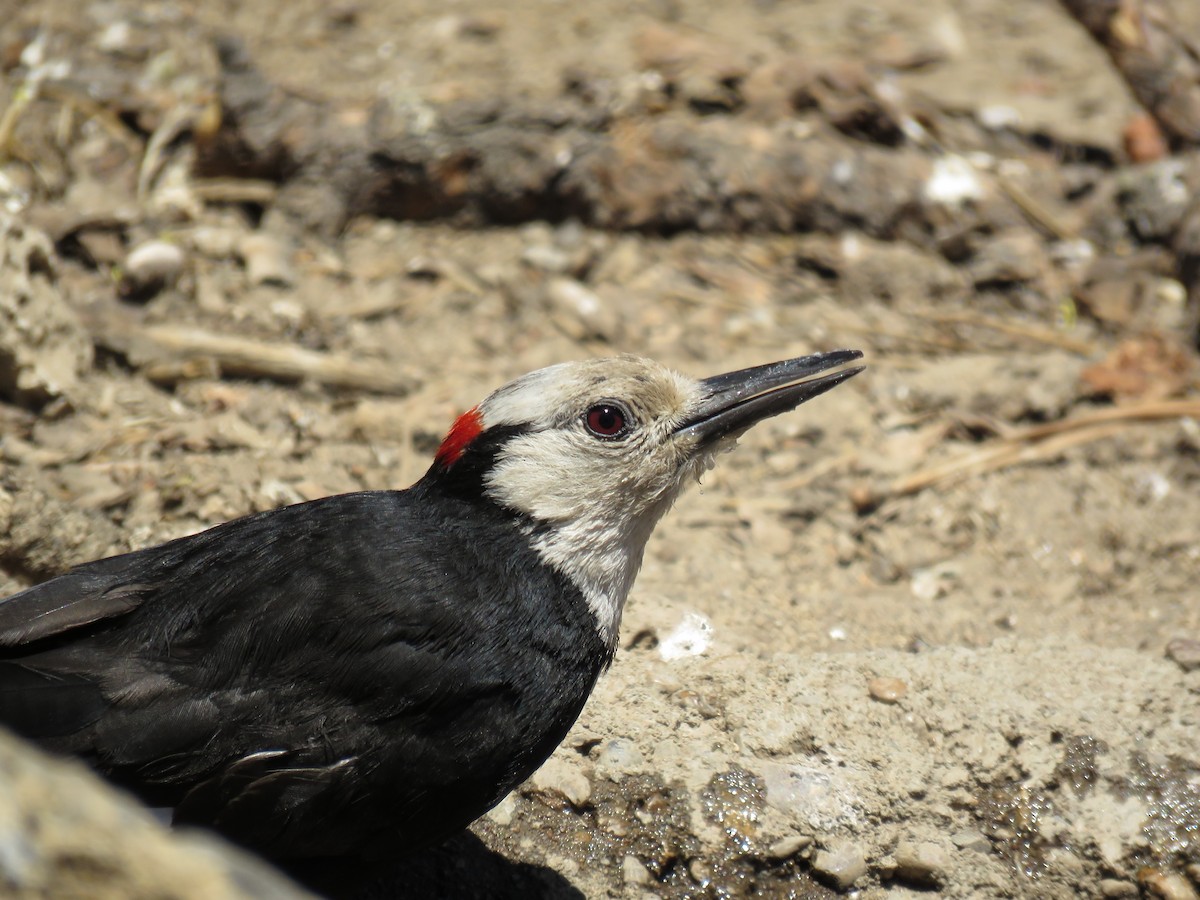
(936, 633)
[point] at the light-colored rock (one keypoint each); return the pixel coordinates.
(579, 311)
(789, 846)
(564, 778)
(1185, 653)
(43, 347)
(1166, 885)
(152, 265)
(887, 690)
(633, 872)
(1116, 889)
(841, 863)
(268, 260)
(921, 862)
(63, 833)
(618, 758)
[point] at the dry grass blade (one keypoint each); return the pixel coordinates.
(76, 98)
(1035, 212)
(1026, 330)
(1041, 443)
(235, 190)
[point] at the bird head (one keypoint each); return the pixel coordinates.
(591, 454)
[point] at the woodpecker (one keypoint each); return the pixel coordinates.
(368, 673)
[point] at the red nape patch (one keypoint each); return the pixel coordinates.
(462, 432)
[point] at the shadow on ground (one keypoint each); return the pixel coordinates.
(460, 869)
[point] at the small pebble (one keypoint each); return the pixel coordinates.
(618, 758)
(1116, 888)
(970, 840)
(841, 864)
(789, 846)
(213, 242)
(1166, 885)
(149, 268)
(502, 813)
(267, 260)
(546, 257)
(1185, 653)
(1144, 141)
(887, 690)
(701, 872)
(563, 778)
(633, 872)
(923, 863)
(580, 310)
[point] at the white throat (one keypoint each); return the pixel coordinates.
(602, 561)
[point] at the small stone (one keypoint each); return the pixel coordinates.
(44, 348)
(847, 549)
(1166, 885)
(929, 584)
(215, 243)
(633, 872)
(923, 863)
(887, 690)
(1144, 141)
(579, 311)
(1153, 198)
(821, 799)
(1116, 888)
(789, 846)
(1012, 257)
(970, 840)
(504, 811)
(842, 864)
(267, 260)
(618, 758)
(560, 777)
(1185, 653)
(149, 268)
(546, 257)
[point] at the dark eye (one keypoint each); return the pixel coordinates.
(606, 420)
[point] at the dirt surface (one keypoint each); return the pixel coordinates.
(912, 638)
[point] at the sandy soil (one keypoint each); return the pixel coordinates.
(952, 673)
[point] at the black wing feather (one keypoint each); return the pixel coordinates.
(80, 597)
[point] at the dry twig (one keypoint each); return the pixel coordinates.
(166, 351)
(1039, 444)
(259, 359)
(1153, 54)
(1026, 330)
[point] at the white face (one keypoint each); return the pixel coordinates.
(601, 466)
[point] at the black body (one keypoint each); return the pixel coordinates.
(362, 674)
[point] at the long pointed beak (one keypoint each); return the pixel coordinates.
(737, 400)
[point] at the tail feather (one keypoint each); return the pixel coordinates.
(39, 704)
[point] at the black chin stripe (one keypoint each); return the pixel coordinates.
(464, 477)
